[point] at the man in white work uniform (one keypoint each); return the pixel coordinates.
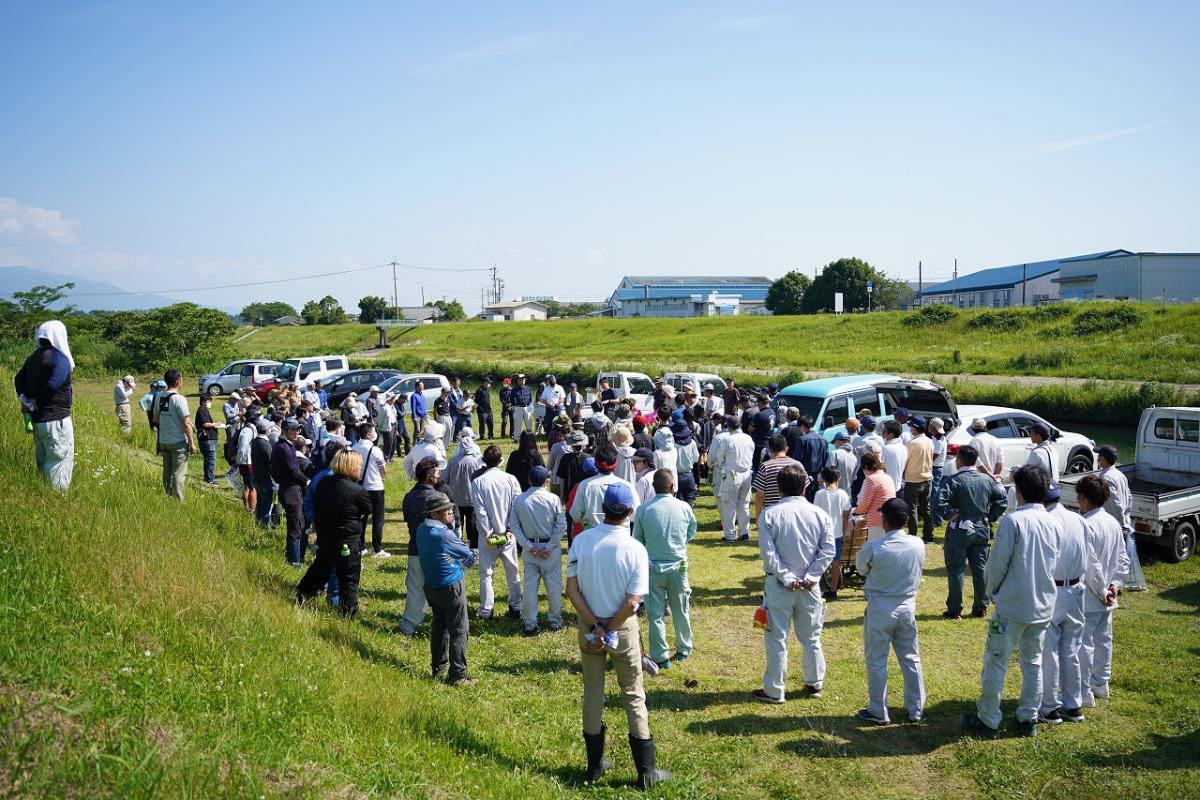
(1062, 689)
(795, 542)
(1102, 585)
(492, 494)
(1020, 582)
(1043, 453)
(538, 523)
(737, 461)
(991, 457)
(892, 568)
(1119, 504)
(588, 505)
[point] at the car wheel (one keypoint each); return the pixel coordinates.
(1183, 543)
(214, 390)
(1079, 462)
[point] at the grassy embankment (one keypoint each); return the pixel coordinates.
(1153, 347)
(151, 650)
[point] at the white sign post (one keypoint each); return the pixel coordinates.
(837, 303)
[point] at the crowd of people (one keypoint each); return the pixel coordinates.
(617, 487)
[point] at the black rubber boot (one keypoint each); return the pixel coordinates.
(597, 763)
(648, 773)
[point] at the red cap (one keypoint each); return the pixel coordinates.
(507, 381)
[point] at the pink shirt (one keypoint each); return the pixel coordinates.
(877, 489)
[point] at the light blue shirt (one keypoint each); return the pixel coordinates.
(1072, 544)
(795, 541)
(537, 518)
(1020, 568)
(892, 566)
(665, 525)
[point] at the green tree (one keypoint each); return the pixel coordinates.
(372, 308)
(452, 310)
(262, 314)
(848, 276)
(331, 311)
(554, 308)
(20, 316)
(184, 336)
(891, 293)
(786, 295)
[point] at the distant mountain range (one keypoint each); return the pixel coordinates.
(114, 298)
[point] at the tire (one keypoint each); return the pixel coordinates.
(214, 390)
(1080, 462)
(1183, 543)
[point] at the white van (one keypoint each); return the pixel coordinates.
(635, 385)
(257, 372)
(311, 368)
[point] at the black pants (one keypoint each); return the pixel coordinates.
(347, 567)
(687, 488)
(292, 500)
(467, 514)
(376, 517)
(506, 423)
(400, 435)
(485, 429)
(449, 631)
(386, 444)
(917, 497)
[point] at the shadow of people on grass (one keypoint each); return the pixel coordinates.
(1165, 752)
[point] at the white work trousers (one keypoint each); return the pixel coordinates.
(1062, 684)
(54, 451)
(488, 556)
(892, 624)
(522, 421)
(1004, 636)
(547, 571)
(1095, 654)
(799, 610)
(734, 504)
(447, 423)
(414, 599)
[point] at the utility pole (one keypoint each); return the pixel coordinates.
(395, 291)
(422, 295)
(1024, 277)
(497, 284)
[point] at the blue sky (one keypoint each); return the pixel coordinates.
(169, 145)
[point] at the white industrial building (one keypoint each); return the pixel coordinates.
(689, 296)
(1122, 275)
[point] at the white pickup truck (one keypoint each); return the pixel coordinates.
(635, 385)
(1164, 480)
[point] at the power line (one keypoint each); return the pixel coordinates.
(393, 264)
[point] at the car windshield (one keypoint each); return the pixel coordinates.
(387, 385)
(287, 371)
(927, 402)
(639, 385)
(807, 406)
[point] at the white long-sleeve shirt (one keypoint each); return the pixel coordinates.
(686, 456)
(122, 394)
(895, 459)
(1046, 457)
(1072, 561)
(423, 450)
(737, 453)
(1020, 568)
(892, 566)
(1119, 499)
(716, 450)
(795, 541)
(537, 518)
(991, 457)
(492, 494)
(588, 506)
(1105, 540)
(625, 469)
(245, 437)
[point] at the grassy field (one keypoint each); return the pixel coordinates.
(151, 650)
(1153, 347)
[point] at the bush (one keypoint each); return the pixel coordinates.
(1105, 320)
(1111, 404)
(1047, 359)
(1009, 320)
(936, 314)
(1051, 313)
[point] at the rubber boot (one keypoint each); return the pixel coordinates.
(648, 773)
(597, 763)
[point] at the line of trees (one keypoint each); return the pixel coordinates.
(796, 293)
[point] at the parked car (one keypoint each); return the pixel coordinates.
(407, 384)
(299, 371)
(677, 380)
(259, 372)
(360, 381)
(831, 401)
(229, 377)
(1011, 426)
(635, 385)
(1164, 480)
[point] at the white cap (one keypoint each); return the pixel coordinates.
(234, 396)
(374, 388)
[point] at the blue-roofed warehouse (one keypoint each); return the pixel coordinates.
(1031, 284)
(689, 296)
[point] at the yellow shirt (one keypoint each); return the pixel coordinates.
(920, 460)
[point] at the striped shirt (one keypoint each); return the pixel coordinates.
(767, 478)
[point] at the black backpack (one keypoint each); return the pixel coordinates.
(231, 444)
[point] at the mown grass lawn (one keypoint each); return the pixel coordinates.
(1161, 347)
(151, 650)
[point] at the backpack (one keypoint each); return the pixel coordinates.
(231, 445)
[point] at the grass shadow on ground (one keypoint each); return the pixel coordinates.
(1165, 753)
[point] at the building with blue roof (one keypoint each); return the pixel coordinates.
(689, 296)
(1030, 284)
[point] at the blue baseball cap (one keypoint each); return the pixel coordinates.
(869, 421)
(589, 467)
(841, 436)
(539, 475)
(618, 499)
(1053, 494)
(901, 412)
(918, 422)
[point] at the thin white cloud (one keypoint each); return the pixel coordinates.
(595, 256)
(1083, 141)
(746, 23)
(35, 222)
(501, 48)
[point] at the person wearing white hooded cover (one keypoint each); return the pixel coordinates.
(538, 522)
(430, 446)
(466, 461)
(492, 494)
(45, 390)
(733, 501)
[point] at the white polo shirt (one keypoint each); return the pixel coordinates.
(610, 565)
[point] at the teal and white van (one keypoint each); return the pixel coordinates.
(831, 401)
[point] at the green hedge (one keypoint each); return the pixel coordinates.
(1108, 404)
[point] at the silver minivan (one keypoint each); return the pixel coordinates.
(258, 371)
(229, 377)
